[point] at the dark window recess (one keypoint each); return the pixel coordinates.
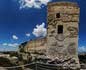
(57, 15)
(60, 29)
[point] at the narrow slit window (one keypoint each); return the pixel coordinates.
(60, 29)
(57, 15)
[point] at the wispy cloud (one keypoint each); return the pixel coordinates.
(13, 44)
(10, 44)
(28, 34)
(4, 44)
(33, 3)
(82, 49)
(40, 30)
(14, 37)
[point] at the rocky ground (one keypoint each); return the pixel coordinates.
(6, 63)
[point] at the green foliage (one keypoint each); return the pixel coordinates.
(22, 50)
(14, 54)
(5, 62)
(20, 57)
(82, 58)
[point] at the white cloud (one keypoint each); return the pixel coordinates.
(32, 3)
(40, 30)
(10, 44)
(28, 34)
(15, 37)
(13, 44)
(82, 49)
(44, 1)
(4, 44)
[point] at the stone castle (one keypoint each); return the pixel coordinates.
(61, 42)
(62, 31)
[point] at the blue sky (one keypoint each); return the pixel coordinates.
(21, 20)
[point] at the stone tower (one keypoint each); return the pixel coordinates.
(62, 36)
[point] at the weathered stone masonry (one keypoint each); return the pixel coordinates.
(62, 32)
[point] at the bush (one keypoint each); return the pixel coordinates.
(4, 62)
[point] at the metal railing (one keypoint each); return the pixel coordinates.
(37, 66)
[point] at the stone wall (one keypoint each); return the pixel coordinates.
(38, 45)
(64, 45)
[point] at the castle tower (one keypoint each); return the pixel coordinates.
(62, 33)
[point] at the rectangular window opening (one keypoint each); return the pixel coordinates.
(60, 29)
(57, 15)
